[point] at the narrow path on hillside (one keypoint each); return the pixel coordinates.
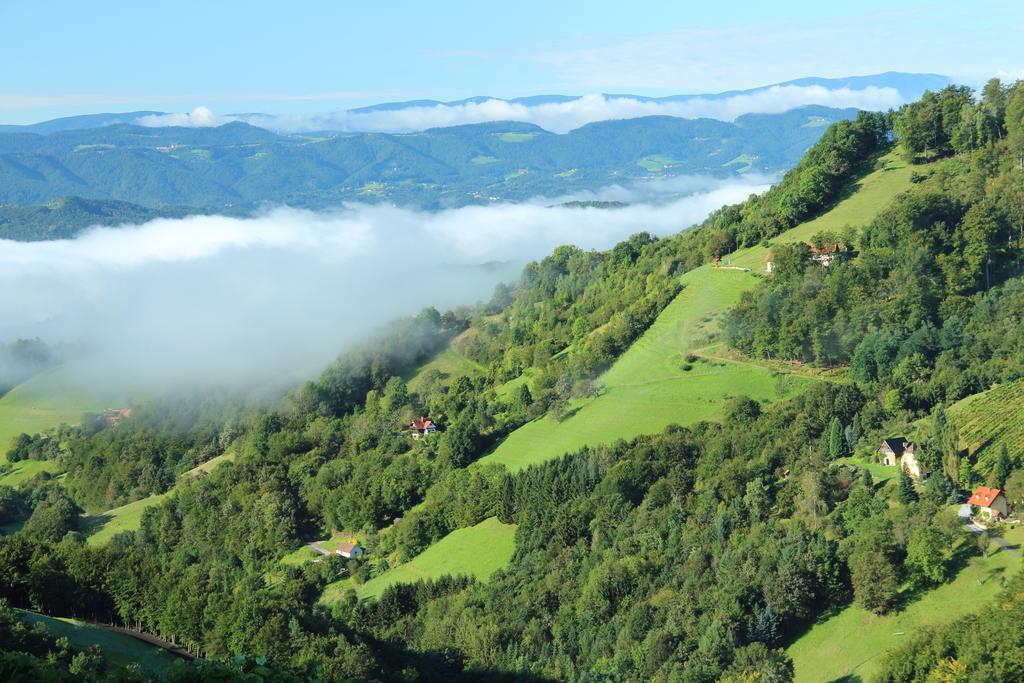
(965, 513)
(315, 545)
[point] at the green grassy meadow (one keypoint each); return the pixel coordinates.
(44, 401)
(103, 526)
(450, 363)
(879, 472)
(848, 645)
(648, 388)
(118, 648)
(889, 178)
(476, 551)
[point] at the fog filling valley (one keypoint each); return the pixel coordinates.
(221, 301)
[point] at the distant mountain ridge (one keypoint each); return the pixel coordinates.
(238, 166)
(910, 86)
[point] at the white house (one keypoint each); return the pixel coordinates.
(991, 502)
(349, 550)
(422, 426)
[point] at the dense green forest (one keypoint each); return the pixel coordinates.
(237, 167)
(695, 554)
(67, 216)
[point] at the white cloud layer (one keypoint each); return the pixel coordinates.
(219, 300)
(558, 117)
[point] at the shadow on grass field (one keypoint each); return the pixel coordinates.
(850, 642)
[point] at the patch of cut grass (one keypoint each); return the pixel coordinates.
(848, 645)
(879, 472)
(103, 526)
(648, 388)
(449, 362)
(25, 470)
(476, 551)
(210, 464)
(516, 137)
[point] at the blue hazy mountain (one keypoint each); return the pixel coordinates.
(909, 85)
(238, 166)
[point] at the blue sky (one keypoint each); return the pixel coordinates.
(64, 57)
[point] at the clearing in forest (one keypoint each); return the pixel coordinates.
(100, 527)
(849, 645)
(476, 551)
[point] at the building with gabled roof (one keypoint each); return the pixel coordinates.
(422, 426)
(349, 550)
(899, 451)
(991, 502)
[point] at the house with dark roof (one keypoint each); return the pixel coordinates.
(898, 451)
(990, 502)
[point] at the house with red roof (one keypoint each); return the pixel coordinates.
(422, 426)
(827, 253)
(990, 502)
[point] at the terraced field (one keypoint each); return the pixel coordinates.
(991, 419)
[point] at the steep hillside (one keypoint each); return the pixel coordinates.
(655, 384)
(990, 420)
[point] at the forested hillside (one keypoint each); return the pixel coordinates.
(240, 167)
(696, 553)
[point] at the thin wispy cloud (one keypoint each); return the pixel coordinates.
(746, 55)
(558, 117)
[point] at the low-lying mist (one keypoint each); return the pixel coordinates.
(238, 302)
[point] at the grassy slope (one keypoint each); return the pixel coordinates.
(477, 551)
(44, 401)
(105, 525)
(449, 363)
(119, 649)
(851, 642)
(647, 388)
